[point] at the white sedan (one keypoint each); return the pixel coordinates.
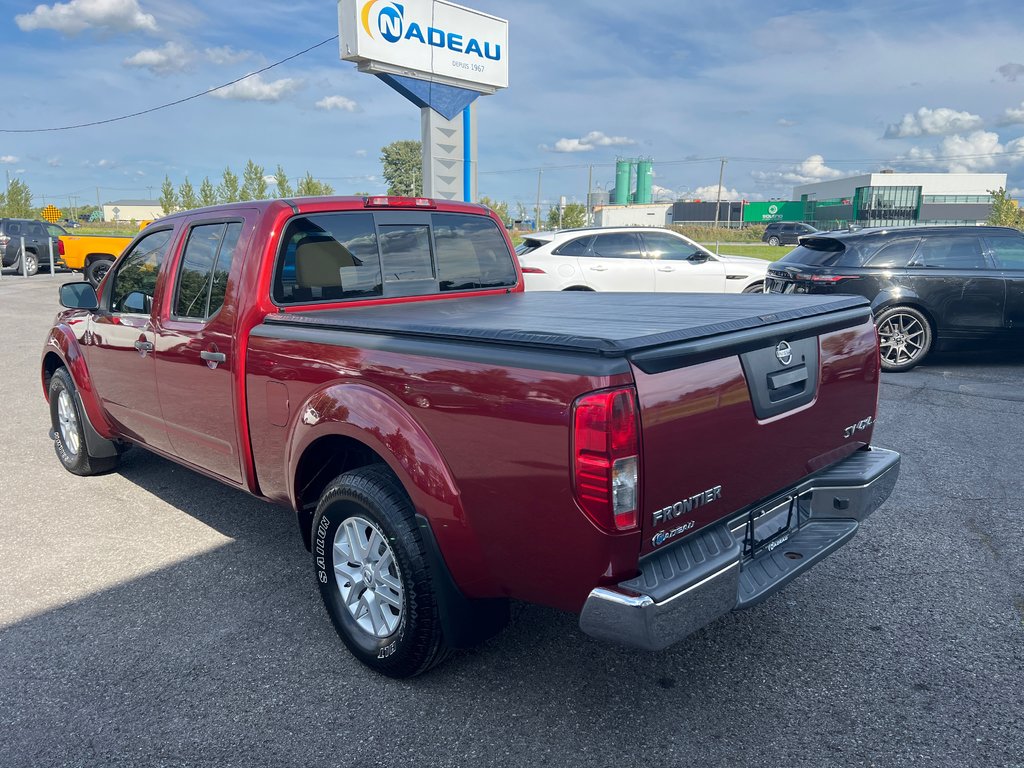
(633, 259)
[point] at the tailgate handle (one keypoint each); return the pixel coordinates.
(781, 379)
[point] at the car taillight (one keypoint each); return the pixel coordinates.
(399, 202)
(60, 247)
(532, 271)
(832, 278)
(606, 458)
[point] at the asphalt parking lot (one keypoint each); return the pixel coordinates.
(154, 617)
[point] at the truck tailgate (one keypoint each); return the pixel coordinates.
(731, 420)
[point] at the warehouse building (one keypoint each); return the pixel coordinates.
(132, 210)
(894, 199)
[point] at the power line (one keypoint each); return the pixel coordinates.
(170, 103)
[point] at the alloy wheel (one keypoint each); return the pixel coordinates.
(901, 338)
(367, 576)
(68, 422)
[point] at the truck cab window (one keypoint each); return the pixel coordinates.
(135, 280)
(202, 275)
(471, 253)
(328, 257)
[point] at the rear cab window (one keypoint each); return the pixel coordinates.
(386, 254)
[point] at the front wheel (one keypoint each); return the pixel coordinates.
(69, 431)
(757, 287)
(97, 270)
(773, 240)
(374, 576)
(904, 338)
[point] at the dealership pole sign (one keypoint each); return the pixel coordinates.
(441, 57)
(431, 40)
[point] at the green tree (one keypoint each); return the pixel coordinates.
(169, 201)
(188, 195)
(310, 187)
(284, 187)
(254, 186)
(1005, 211)
(499, 208)
(227, 191)
(573, 215)
(403, 166)
(17, 203)
(207, 192)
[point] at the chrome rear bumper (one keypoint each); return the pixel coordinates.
(687, 585)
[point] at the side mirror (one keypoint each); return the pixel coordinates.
(697, 257)
(78, 296)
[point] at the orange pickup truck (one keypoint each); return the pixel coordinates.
(92, 254)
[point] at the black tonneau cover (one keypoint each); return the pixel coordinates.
(607, 324)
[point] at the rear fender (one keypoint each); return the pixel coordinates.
(379, 422)
(63, 344)
(896, 296)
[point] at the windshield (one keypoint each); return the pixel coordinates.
(528, 245)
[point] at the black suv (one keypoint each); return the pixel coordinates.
(37, 234)
(786, 232)
(929, 286)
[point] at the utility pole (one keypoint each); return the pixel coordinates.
(718, 202)
(536, 221)
(590, 187)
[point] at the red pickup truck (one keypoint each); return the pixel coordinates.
(449, 442)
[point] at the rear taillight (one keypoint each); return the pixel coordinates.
(831, 278)
(60, 247)
(532, 271)
(606, 458)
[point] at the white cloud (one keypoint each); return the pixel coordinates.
(662, 193)
(709, 192)
(255, 88)
(784, 123)
(933, 122)
(337, 102)
(269, 179)
(590, 142)
(8, 159)
(53, 162)
(360, 153)
(976, 152)
(1011, 71)
(226, 55)
(78, 15)
(171, 57)
(810, 170)
(1013, 116)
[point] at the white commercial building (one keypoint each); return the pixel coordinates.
(132, 210)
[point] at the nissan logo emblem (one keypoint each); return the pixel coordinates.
(784, 352)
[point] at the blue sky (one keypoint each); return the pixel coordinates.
(789, 92)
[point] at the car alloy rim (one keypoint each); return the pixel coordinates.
(101, 271)
(68, 422)
(368, 577)
(901, 338)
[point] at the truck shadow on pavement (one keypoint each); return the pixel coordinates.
(228, 658)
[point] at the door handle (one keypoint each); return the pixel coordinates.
(599, 268)
(213, 357)
(666, 269)
(144, 346)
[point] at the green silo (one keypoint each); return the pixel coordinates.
(621, 196)
(644, 181)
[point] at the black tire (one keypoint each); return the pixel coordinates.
(757, 287)
(773, 240)
(69, 432)
(97, 270)
(29, 264)
(371, 502)
(905, 338)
